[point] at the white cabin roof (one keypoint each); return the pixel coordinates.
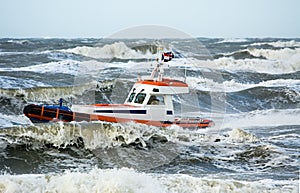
(166, 86)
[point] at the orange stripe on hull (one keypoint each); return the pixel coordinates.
(147, 122)
(164, 82)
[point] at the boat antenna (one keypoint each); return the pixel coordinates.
(159, 63)
(160, 60)
(185, 71)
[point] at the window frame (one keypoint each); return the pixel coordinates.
(137, 96)
(131, 97)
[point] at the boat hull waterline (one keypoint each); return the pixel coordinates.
(45, 113)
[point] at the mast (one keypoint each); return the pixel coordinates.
(165, 57)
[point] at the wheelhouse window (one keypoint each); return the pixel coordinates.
(140, 98)
(131, 97)
(156, 100)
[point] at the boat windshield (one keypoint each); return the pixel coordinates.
(131, 97)
(140, 98)
(156, 100)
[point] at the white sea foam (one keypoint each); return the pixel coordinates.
(124, 180)
(7, 82)
(251, 65)
(206, 84)
(278, 44)
(13, 120)
(14, 53)
(233, 40)
(280, 61)
(186, 183)
(284, 54)
(66, 67)
(239, 135)
(128, 180)
(19, 41)
(259, 118)
(94, 134)
(115, 50)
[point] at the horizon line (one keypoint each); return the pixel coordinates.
(104, 37)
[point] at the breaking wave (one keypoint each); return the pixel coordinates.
(239, 135)
(92, 135)
(7, 82)
(242, 54)
(129, 180)
(233, 40)
(251, 65)
(279, 44)
(116, 50)
(71, 67)
(260, 118)
(205, 84)
(13, 120)
(52, 94)
(285, 54)
(278, 61)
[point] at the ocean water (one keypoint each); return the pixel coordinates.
(249, 87)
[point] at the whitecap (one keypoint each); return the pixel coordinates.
(278, 44)
(260, 118)
(232, 40)
(109, 51)
(129, 180)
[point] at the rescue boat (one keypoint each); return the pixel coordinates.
(148, 102)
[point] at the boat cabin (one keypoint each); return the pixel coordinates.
(156, 97)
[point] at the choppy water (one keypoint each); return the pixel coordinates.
(249, 87)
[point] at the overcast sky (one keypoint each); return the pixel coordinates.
(199, 18)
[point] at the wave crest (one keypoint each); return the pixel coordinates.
(92, 135)
(116, 50)
(120, 180)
